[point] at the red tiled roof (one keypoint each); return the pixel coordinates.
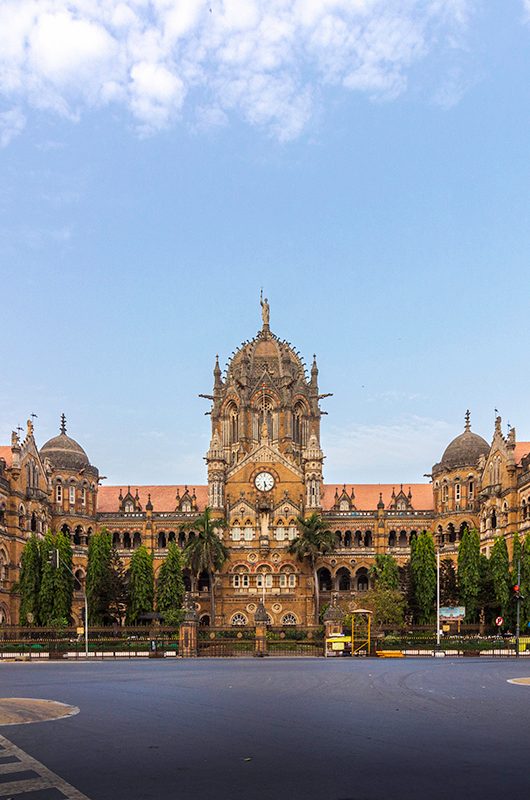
(521, 449)
(367, 494)
(162, 497)
(6, 454)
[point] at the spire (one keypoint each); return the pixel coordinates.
(217, 374)
(63, 424)
(314, 373)
(467, 426)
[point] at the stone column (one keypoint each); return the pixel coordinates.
(188, 629)
(260, 621)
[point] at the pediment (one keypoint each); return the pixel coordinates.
(266, 454)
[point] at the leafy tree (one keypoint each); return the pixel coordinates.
(98, 577)
(170, 585)
(423, 567)
(314, 540)
(57, 585)
(29, 584)
(385, 571)
(141, 585)
(525, 579)
(448, 584)
(205, 552)
(118, 588)
(388, 605)
(500, 573)
(468, 575)
(64, 583)
(486, 594)
(405, 585)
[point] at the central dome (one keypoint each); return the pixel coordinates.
(266, 352)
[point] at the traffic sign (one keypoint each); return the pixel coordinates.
(499, 621)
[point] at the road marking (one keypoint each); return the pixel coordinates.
(21, 774)
(520, 681)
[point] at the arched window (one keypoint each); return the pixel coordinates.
(392, 539)
(524, 509)
(264, 577)
(4, 561)
(445, 492)
(137, 539)
(58, 493)
(233, 424)
(240, 578)
(33, 522)
(162, 542)
(236, 532)
(298, 423)
(343, 580)
(289, 619)
(129, 507)
(115, 540)
(361, 578)
(368, 538)
(324, 579)
(238, 619)
(127, 540)
(493, 519)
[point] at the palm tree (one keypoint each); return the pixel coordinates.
(313, 540)
(205, 552)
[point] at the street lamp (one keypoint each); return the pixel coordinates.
(438, 550)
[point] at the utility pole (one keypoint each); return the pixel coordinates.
(518, 598)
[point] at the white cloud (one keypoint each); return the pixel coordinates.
(267, 61)
(12, 122)
(399, 452)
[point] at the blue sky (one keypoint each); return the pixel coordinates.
(365, 161)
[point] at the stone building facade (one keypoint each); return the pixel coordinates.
(264, 469)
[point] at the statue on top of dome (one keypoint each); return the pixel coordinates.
(265, 309)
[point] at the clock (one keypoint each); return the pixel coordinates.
(264, 481)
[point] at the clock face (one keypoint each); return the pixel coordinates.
(264, 481)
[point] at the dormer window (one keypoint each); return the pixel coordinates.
(186, 506)
(344, 505)
(129, 507)
(401, 505)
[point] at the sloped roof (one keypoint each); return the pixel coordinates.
(521, 449)
(367, 494)
(6, 454)
(163, 498)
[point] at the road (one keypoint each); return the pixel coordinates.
(299, 729)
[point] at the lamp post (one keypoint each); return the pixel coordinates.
(438, 550)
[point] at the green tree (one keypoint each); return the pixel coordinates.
(314, 540)
(385, 571)
(388, 605)
(205, 552)
(500, 573)
(525, 579)
(118, 588)
(486, 594)
(448, 583)
(423, 568)
(468, 575)
(141, 585)
(170, 584)
(29, 584)
(57, 585)
(98, 577)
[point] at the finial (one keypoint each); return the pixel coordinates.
(468, 420)
(63, 423)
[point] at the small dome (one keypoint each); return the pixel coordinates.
(465, 450)
(64, 452)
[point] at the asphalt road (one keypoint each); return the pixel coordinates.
(343, 729)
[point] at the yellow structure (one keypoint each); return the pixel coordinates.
(264, 469)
